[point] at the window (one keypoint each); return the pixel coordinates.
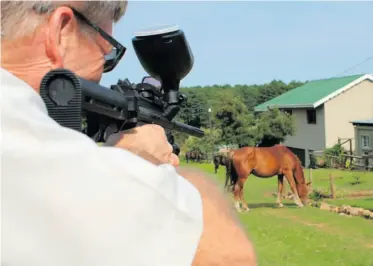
(288, 111)
(311, 116)
(365, 141)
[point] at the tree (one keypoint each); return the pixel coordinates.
(205, 144)
(194, 111)
(231, 116)
(274, 126)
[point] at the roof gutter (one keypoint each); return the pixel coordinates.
(283, 106)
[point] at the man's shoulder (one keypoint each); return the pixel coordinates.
(65, 170)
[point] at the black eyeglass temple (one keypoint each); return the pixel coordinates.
(104, 34)
(120, 49)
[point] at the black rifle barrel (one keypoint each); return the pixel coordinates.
(171, 125)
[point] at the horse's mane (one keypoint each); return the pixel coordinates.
(297, 159)
(292, 153)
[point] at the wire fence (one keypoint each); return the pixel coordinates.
(319, 159)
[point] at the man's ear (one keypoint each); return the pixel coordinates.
(61, 28)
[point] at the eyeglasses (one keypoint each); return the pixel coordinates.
(112, 59)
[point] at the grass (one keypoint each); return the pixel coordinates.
(306, 237)
(345, 182)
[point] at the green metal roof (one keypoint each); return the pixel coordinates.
(308, 94)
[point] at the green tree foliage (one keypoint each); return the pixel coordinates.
(205, 144)
(195, 111)
(274, 126)
(231, 117)
(233, 114)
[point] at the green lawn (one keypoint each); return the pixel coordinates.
(304, 237)
(345, 182)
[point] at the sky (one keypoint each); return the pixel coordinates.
(256, 42)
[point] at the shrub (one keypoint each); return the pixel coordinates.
(335, 157)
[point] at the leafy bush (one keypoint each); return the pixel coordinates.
(335, 157)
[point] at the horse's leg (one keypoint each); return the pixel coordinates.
(280, 188)
(238, 194)
(237, 198)
(216, 168)
(290, 177)
(243, 202)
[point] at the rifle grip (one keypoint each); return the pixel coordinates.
(115, 137)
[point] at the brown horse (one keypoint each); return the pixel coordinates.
(266, 162)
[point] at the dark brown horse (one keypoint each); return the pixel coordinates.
(219, 159)
(194, 156)
(266, 162)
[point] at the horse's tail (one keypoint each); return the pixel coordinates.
(231, 173)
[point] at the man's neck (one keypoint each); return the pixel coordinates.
(27, 62)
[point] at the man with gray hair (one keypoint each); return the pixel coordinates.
(67, 201)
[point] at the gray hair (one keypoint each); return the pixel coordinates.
(28, 15)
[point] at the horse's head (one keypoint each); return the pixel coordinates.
(303, 192)
(303, 188)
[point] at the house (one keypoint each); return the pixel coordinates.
(364, 138)
(323, 110)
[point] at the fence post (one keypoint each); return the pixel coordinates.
(351, 151)
(332, 186)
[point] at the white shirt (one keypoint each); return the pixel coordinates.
(67, 202)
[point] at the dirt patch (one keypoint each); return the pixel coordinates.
(327, 179)
(295, 218)
(355, 197)
(370, 246)
(314, 225)
(365, 193)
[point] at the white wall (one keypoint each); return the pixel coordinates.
(354, 104)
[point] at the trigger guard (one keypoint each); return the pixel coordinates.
(110, 130)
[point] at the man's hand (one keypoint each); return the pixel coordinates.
(150, 142)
